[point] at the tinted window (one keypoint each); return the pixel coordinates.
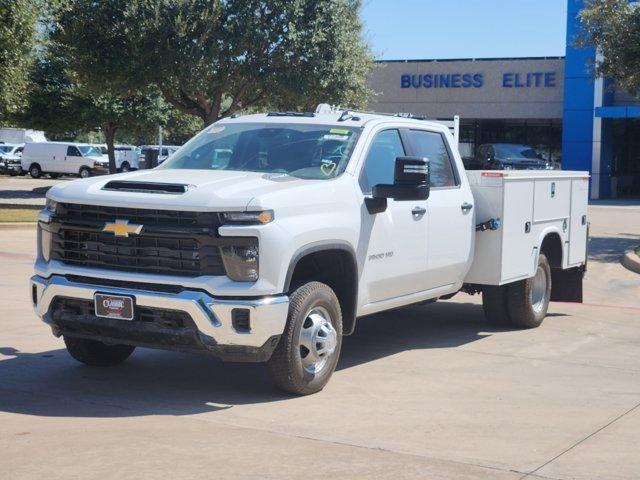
(73, 152)
(381, 159)
(517, 152)
(431, 145)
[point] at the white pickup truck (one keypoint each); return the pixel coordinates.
(267, 236)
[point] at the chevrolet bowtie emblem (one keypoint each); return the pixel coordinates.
(121, 228)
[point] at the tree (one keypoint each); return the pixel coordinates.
(18, 35)
(62, 106)
(212, 58)
(613, 27)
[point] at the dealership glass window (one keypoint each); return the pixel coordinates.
(543, 134)
(380, 162)
(625, 164)
(431, 145)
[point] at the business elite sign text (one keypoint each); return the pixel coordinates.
(477, 80)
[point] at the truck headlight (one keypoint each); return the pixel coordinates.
(51, 205)
(252, 218)
(241, 260)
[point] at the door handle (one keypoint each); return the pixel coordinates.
(418, 211)
(466, 207)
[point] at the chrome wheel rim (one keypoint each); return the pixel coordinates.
(317, 341)
(539, 290)
(84, 174)
(34, 172)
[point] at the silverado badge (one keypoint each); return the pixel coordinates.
(121, 228)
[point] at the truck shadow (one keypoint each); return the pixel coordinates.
(153, 382)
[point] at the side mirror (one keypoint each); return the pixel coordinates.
(411, 182)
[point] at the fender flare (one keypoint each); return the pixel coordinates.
(348, 317)
(319, 247)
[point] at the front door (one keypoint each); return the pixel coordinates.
(395, 241)
(72, 161)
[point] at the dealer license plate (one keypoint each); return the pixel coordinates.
(113, 306)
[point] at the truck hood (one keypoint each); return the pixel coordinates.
(207, 190)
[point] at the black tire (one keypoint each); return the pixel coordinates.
(97, 354)
(35, 171)
(523, 310)
(84, 172)
(125, 167)
(286, 366)
(494, 304)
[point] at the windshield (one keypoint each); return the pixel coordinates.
(517, 151)
(89, 151)
(5, 148)
(305, 151)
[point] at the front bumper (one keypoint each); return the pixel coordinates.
(213, 318)
(10, 168)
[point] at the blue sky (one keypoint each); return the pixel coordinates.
(416, 29)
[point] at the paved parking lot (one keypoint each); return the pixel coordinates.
(421, 392)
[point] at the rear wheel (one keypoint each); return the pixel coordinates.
(309, 348)
(528, 300)
(35, 171)
(84, 172)
(125, 167)
(98, 354)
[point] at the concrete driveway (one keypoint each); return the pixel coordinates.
(421, 392)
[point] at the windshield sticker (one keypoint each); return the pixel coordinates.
(340, 138)
(216, 129)
(328, 167)
(340, 131)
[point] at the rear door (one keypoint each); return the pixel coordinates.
(449, 216)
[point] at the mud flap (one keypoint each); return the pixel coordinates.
(566, 285)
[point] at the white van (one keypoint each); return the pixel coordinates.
(126, 156)
(62, 158)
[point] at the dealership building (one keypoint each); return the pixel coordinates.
(553, 104)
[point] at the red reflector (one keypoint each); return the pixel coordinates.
(492, 174)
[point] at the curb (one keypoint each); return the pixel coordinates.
(631, 261)
(18, 225)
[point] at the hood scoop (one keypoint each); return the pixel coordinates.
(146, 187)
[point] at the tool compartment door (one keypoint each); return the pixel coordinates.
(578, 221)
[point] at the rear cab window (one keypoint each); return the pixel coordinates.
(433, 146)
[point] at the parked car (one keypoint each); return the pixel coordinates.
(268, 236)
(167, 151)
(10, 155)
(126, 156)
(62, 158)
(508, 156)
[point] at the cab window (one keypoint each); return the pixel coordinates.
(432, 146)
(380, 161)
(73, 152)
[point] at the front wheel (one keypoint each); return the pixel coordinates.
(84, 172)
(309, 348)
(95, 353)
(35, 171)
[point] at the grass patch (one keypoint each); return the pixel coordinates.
(18, 214)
